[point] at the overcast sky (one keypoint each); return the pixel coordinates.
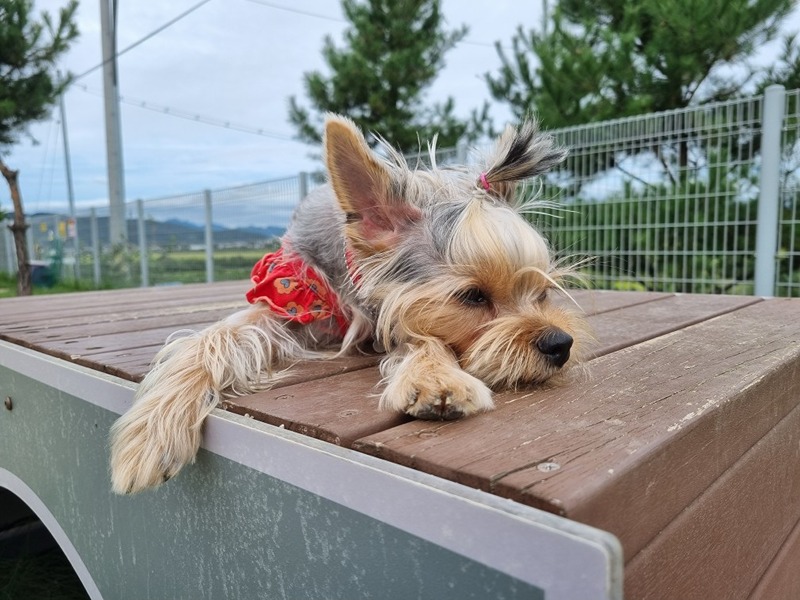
(230, 60)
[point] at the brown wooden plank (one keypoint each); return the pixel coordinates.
(594, 302)
(86, 347)
(782, 579)
(327, 423)
(80, 314)
(177, 319)
(130, 363)
(666, 310)
(35, 304)
(338, 409)
(722, 543)
(636, 323)
(41, 312)
(631, 435)
(133, 363)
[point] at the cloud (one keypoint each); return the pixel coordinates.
(232, 60)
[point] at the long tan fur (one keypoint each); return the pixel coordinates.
(438, 266)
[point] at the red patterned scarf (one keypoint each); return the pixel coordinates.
(295, 291)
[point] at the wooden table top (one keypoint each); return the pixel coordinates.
(678, 389)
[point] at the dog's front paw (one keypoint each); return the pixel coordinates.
(440, 392)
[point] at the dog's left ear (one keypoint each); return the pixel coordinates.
(519, 154)
(377, 216)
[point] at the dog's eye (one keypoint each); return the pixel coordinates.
(543, 296)
(473, 297)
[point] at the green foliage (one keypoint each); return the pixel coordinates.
(29, 50)
(616, 58)
(393, 52)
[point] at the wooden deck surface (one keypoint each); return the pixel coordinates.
(682, 438)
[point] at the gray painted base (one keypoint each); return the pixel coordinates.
(265, 513)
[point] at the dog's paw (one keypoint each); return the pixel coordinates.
(436, 393)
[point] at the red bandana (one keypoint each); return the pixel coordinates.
(294, 291)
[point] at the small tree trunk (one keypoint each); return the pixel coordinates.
(18, 228)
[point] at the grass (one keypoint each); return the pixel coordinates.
(120, 269)
(8, 287)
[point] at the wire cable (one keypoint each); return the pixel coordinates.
(194, 117)
(338, 20)
(144, 39)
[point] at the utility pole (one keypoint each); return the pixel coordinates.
(70, 189)
(118, 233)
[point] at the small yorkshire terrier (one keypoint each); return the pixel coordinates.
(436, 266)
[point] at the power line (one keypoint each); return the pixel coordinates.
(145, 38)
(194, 117)
(306, 13)
(298, 12)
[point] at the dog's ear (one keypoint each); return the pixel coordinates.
(377, 214)
(519, 154)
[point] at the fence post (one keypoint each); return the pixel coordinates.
(29, 239)
(144, 258)
(209, 238)
(95, 246)
(10, 250)
(303, 184)
(769, 197)
(462, 152)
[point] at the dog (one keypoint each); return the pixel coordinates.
(438, 266)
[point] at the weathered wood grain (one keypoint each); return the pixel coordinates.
(633, 324)
(782, 579)
(682, 439)
(722, 543)
(338, 409)
(176, 318)
(666, 311)
(88, 314)
(630, 435)
(41, 305)
(84, 347)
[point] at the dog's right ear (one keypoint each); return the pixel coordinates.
(377, 215)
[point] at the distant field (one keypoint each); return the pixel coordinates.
(251, 255)
(186, 266)
(120, 270)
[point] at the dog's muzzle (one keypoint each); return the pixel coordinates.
(555, 345)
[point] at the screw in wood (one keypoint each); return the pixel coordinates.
(548, 466)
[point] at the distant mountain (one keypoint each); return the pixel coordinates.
(264, 231)
(190, 225)
(177, 232)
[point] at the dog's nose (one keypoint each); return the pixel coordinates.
(555, 345)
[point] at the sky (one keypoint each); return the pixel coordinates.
(230, 60)
(235, 61)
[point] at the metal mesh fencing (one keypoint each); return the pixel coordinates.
(661, 202)
(787, 280)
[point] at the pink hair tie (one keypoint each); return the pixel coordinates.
(484, 182)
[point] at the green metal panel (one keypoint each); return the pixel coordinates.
(220, 529)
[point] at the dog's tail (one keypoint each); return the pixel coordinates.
(162, 430)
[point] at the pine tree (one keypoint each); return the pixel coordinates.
(393, 52)
(616, 58)
(29, 87)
